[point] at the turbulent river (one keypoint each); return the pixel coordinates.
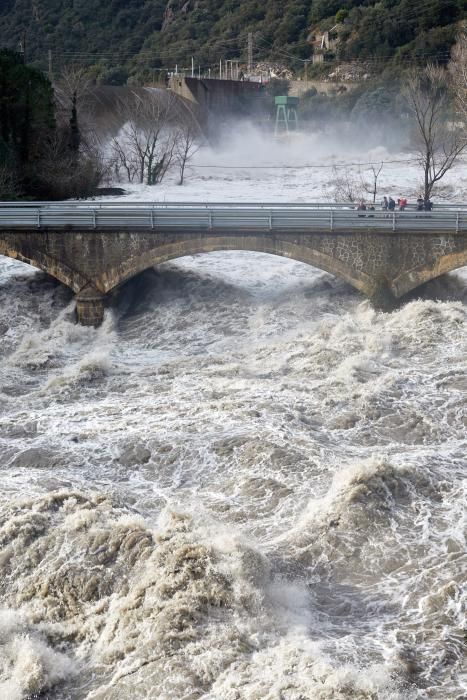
(246, 485)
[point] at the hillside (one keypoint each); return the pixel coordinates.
(137, 39)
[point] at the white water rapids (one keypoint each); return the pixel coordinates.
(246, 485)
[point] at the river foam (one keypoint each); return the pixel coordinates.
(247, 484)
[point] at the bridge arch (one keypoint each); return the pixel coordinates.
(411, 279)
(169, 251)
(46, 263)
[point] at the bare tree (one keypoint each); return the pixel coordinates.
(73, 80)
(74, 163)
(144, 147)
(121, 160)
(438, 140)
(73, 90)
(371, 186)
(344, 186)
(62, 175)
(186, 146)
(458, 72)
(159, 166)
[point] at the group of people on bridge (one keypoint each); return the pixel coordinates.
(390, 204)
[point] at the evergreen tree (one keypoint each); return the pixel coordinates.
(26, 109)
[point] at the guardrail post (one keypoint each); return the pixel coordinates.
(332, 220)
(210, 219)
(94, 218)
(38, 218)
(393, 220)
(270, 220)
(152, 219)
(457, 222)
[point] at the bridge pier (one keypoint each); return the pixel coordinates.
(382, 297)
(90, 307)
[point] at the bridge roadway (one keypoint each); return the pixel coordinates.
(93, 247)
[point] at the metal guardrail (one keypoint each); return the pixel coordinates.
(96, 204)
(190, 217)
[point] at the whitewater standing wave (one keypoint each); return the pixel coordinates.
(246, 484)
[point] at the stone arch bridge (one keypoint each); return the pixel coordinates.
(93, 248)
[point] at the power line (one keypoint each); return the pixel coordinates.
(373, 61)
(217, 43)
(297, 167)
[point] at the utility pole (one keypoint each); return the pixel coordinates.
(250, 52)
(192, 67)
(22, 47)
(49, 56)
(220, 69)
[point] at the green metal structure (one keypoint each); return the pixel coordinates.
(286, 115)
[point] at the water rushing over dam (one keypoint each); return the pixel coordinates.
(245, 484)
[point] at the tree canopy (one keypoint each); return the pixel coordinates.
(26, 109)
(132, 40)
(41, 155)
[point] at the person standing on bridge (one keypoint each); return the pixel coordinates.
(402, 202)
(391, 204)
(361, 206)
(384, 204)
(428, 205)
